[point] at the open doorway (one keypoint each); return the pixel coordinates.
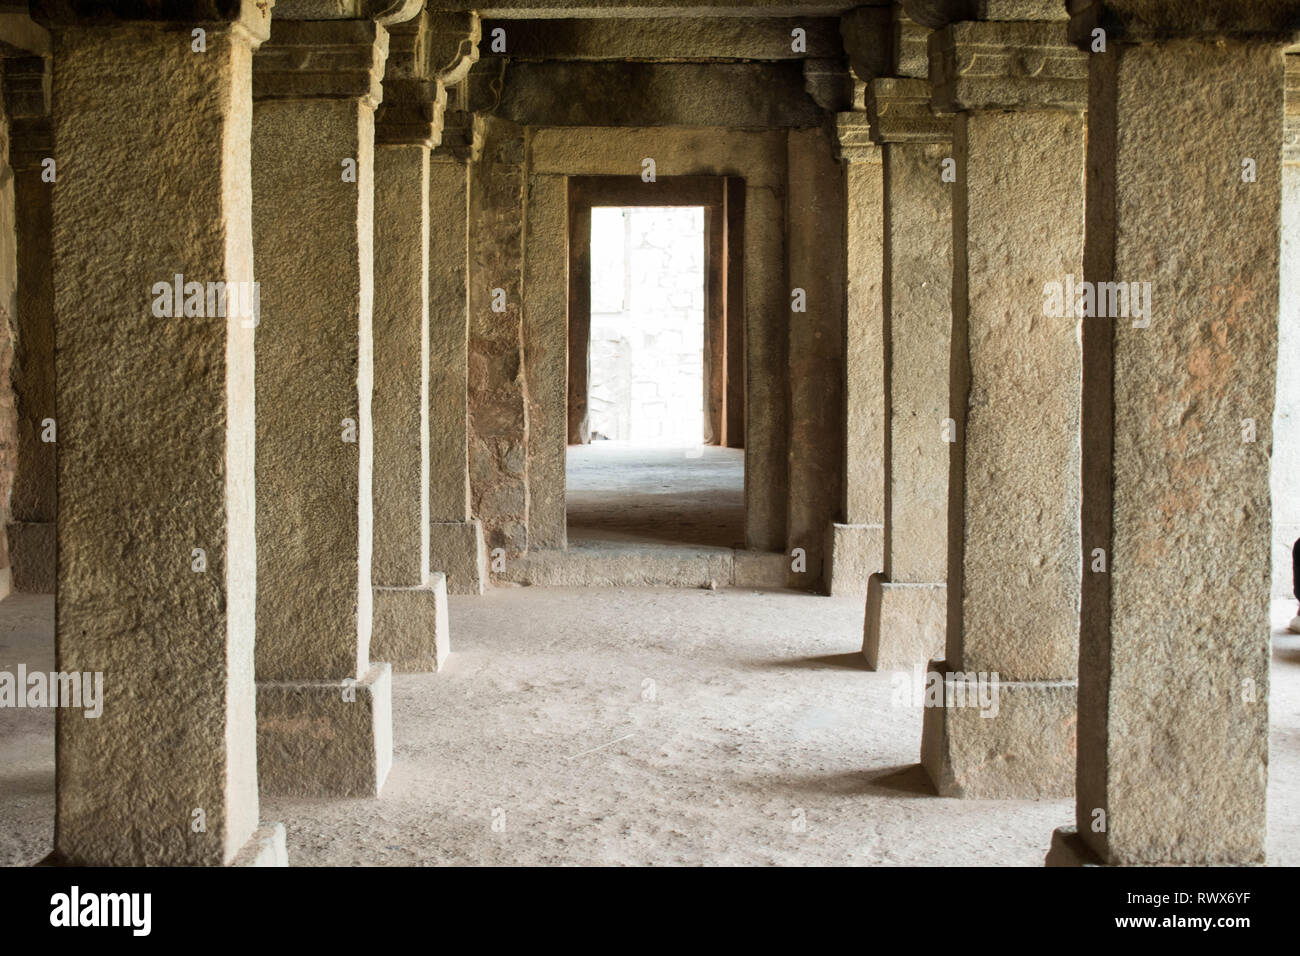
(649, 457)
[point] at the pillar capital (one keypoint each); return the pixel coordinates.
(322, 59)
(411, 114)
(865, 35)
(853, 139)
(1139, 21)
(453, 45)
(899, 111)
(252, 16)
(462, 138)
(1006, 66)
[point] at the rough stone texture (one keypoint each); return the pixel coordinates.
(157, 458)
(733, 95)
(411, 629)
(854, 552)
(456, 548)
(760, 158)
(918, 311)
(546, 338)
(32, 551)
(666, 38)
(9, 427)
(1014, 479)
(1026, 751)
(314, 369)
(401, 343)
(1006, 66)
(814, 209)
(864, 377)
(1144, 20)
(904, 623)
(455, 540)
(498, 403)
(327, 738)
(1172, 492)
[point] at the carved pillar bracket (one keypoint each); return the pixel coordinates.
(899, 111)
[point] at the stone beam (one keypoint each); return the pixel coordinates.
(1277, 21)
(712, 38)
(939, 13)
(384, 12)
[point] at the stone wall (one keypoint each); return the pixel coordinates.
(647, 325)
(497, 395)
(8, 334)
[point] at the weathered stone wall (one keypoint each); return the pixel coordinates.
(497, 395)
(8, 335)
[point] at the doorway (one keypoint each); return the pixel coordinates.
(656, 385)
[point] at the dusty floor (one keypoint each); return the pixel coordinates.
(681, 495)
(628, 727)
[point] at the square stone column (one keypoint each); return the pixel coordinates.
(157, 556)
(324, 724)
(854, 545)
(410, 619)
(1184, 200)
(456, 537)
(1013, 534)
(906, 601)
(33, 500)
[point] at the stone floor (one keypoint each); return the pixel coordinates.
(653, 494)
(640, 726)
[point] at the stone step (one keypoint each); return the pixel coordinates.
(618, 563)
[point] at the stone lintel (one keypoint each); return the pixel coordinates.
(936, 14)
(253, 16)
(327, 59)
(853, 139)
(667, 38)
(462, 138)
(453, 45)
(1006, 66)
(899, 112)
(380, 11)
(1145, 21)
(411, 113)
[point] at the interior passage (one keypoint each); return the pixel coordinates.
(666, 495)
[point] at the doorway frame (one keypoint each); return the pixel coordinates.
(722, 199)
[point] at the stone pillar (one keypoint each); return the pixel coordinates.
(814, 216)
(157, 557)
(456, 537)
(854, 544)
(324, 724)
(410, 618)
(906, 601)
(1013, 532)
(33, 501)
(1184, 194)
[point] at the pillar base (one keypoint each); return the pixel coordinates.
(854, 552)
(31, 556)
(1023, 749)
(456, 549)
(264, 848)
(410, 628)
(904, 624)
(1068, 849)
(313, 741)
